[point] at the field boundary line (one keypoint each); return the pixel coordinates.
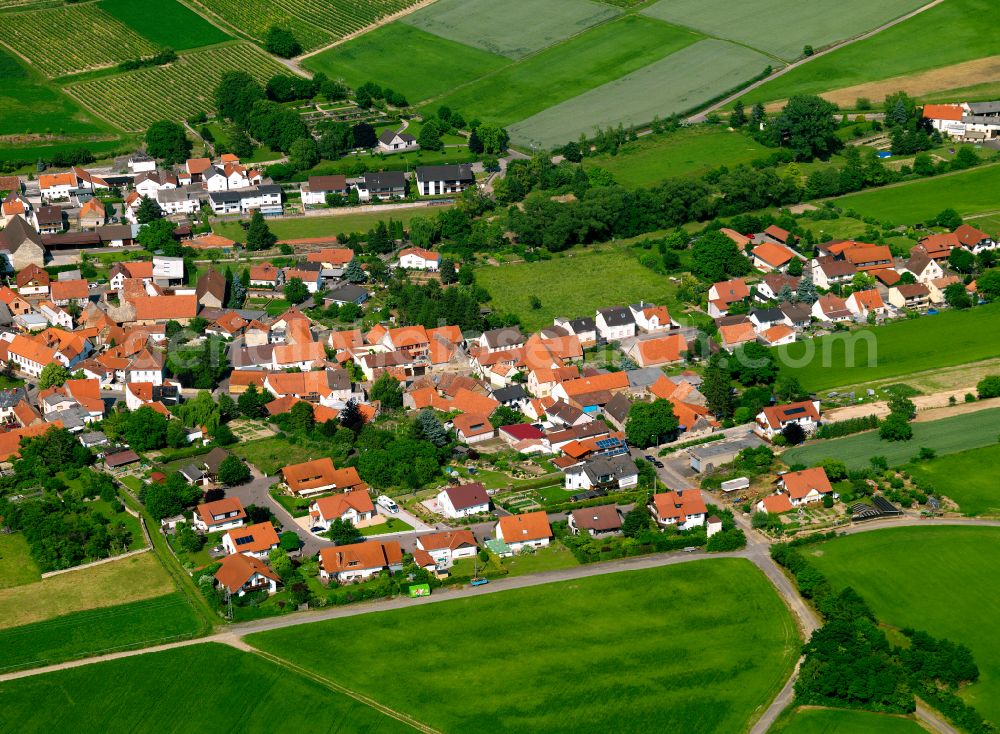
(367, 29)
(360, 697)
(221, 23)
(99, 562)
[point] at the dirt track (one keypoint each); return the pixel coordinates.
(929, 407)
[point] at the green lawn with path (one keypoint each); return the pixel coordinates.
(698, 647)
(937, 579)
(391, 525)
(945, 436)
(207, 687)
(573, 285)
(844, 721)
(968, 477)
(897, 349)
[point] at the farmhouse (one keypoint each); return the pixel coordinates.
(530, 530)
(808, 485)
(683, 509)
(463, 500)
(450, 179)
(241, 575)
(360, 561)
(771, 421)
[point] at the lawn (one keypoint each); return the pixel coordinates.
(356, 164)
(970, 192)
(681, 82)
(97, 631)
(512, 28)
(573, 285)
(754, 23)
(688, 152)
(411, 61)
(567, 69)
(945, 436)
(935, 579)
(230, 690)
(125, 580)
(391, 525)
(844, 721)
(550, 658)
(166, 23)
(554, 557)
(304, 227)
(956, 27)
(271, 454)
(894, 350)
(16, 565)
(968, 478)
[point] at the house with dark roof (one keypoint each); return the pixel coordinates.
(211, 289)
(21, 245)
(316, 188)
(391, 141)
(600, 521)
(615, 323)
(604, 473)
(450, 179)
(382, 185)
(463, 500)
(584, 329)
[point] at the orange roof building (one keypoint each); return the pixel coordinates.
(529, 529)
(360, 561)
(319, 475)
(257, 540)
(683, 509)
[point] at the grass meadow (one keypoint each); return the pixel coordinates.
(937, 579)
(945, 436)
(512, 28)
(81, 634)
(415, 63)
(567, 69)
(844, 721)
(900, 348)
(206, 687)
(16, 565)
(688, 152)
(698, 647)
(753, 23)
(166, 23)
(968, 477)
(125, 580)
(956, 27)
(969, 192)
(573, 285)
(680, 82)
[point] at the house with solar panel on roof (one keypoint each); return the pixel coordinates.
(771, 421)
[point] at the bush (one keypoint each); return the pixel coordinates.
(989, 387)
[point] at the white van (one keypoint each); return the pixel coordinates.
(387, 503)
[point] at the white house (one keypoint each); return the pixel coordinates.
(354, 506)
(390, 141)
(315, 190)
(683, 509)
(603, 472)
(257, 540)
(360, 561)
(449, 179)
(652, 318)
(447, 547)
(530, 530)
(463, 500)
(417, 258)
(168, 270)
(224, 514)
(615, 323)
(771, 421)
(806, 486)
(141, 163)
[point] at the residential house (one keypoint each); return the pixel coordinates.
(869, 258)
(316, 188)
(530, 530)
(224, 514)
(211, 289)
(473, 428)
(862, 303)
(584, 329)
(181, 200)
(354, 506)
(603, 473)
(266, 275)
(806, 486)
(683, 509)
(828, 271)
(21, 245)
(651, 319)
(831, 308)
(722, 295)
(771, 421)
(732, 335)
(937, 246)
(922, 266)
(463, 500)
(447, 547)
(600, 521)
(311, 279)
(257, 540)
(974, 240)
(448, 179)
(764, 318)
(773, 285)
(49, 219)
(92, 214)
(32, 281)
(241, 575)
(65, 292)
(658, 351)
(797, 315)
(383, 185)
(343, 293)
(771, 256)
(937, 288)
(360, 561)
(168, 271)
(417, 258)
(914, 296)
(390, 141)
(615, 323)
(740, 240)
(777, 335)
(319, 475)
(775, 504)
(161, 309)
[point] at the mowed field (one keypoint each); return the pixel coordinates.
(165, 22)
(941, 580)
(73, 38)
(969, 192)
(567, 69)
(16, 565)
(968, 477)
(945, 436)
(675, 84)
(136, 99)
(573, 285)
(512, 28)
(779, 27)
(206, 687)
(956, 27)
(413, 62)
(894, 350)
(698, 647)
(688, 152)
(844, 721)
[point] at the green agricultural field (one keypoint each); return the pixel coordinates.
(844, 721)
(512, 28)
(166, 23)
(900, 348)
(294, 229)
(778, 27)
(567, 69)
(945, 436)
(73, 38)
(941, 580)
(699, 647)
(16, 565)
(125, 580)
(207, 687)
(413, 62)
(177, 91)
(573, 285)
(688, 152)
(968, 478)
(82, 634)
(955, 25)
(970, 192)
(681, 82)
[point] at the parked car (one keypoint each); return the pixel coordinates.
(479, 582)
(649, 458)
(658, 464)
